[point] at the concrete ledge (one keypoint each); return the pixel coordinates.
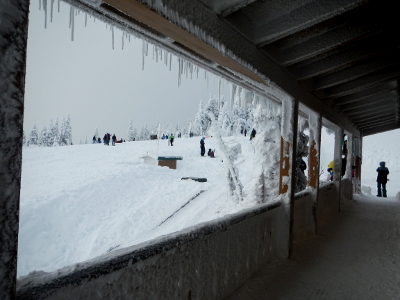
(202, 262)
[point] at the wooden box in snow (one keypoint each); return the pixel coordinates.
(168, 161)
(162, 161)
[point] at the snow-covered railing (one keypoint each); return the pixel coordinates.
(206, 261)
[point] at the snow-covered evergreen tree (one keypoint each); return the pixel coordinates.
(43, 138)
(238, 114)
(200, 121)
(33, 136)
(229, 153)
(131, 135)
(145, 133)
(96, 133)
(55, 134)
(50, 136)
(225, 120)
(66, 132)
(264, 184)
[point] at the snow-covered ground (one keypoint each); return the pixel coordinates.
(78, 202)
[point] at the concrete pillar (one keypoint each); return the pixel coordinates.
(13, 42)
(338, 162)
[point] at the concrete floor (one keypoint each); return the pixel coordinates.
(356, 255)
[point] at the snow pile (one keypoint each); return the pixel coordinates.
(366, 190)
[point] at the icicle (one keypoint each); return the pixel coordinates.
(71, 22)
(85, 19)
(40, 4)
(170, 61)
(59, 5)
(144, 52)
(112, 30)
(179, 71)
(51, 14)
(123, 35)
(45, 13)
(219, 92)
(233, 92)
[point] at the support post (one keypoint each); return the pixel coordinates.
(337, 173)
(314, 162)
(284, 166)
(13, 43)
(287, 179)
(350, 162)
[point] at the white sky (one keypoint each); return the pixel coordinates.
(98, 86)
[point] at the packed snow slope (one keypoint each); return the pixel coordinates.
(79, 202)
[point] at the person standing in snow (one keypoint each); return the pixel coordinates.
(381, 180)
(94, 140)
(330, 170)
(202, 146)
(253, 134)
(114, 138)
(171, 139)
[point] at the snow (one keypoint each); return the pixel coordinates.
(376, 148)
(79, 202)
(82, 201)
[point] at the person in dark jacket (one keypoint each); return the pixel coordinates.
(253, 134)
(303, 165)
(202, 146)
(381, 180)
(114, 139)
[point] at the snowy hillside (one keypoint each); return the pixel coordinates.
(78, 202)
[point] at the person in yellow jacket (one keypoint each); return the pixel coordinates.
(331, 166)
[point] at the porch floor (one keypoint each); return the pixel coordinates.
(356, 255)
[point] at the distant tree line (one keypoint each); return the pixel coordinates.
(231, 120)
(51, 136)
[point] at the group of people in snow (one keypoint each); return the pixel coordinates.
(106, 139)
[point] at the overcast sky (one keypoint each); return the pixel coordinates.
(98, 86)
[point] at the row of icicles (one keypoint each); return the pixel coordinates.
(185, 68)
